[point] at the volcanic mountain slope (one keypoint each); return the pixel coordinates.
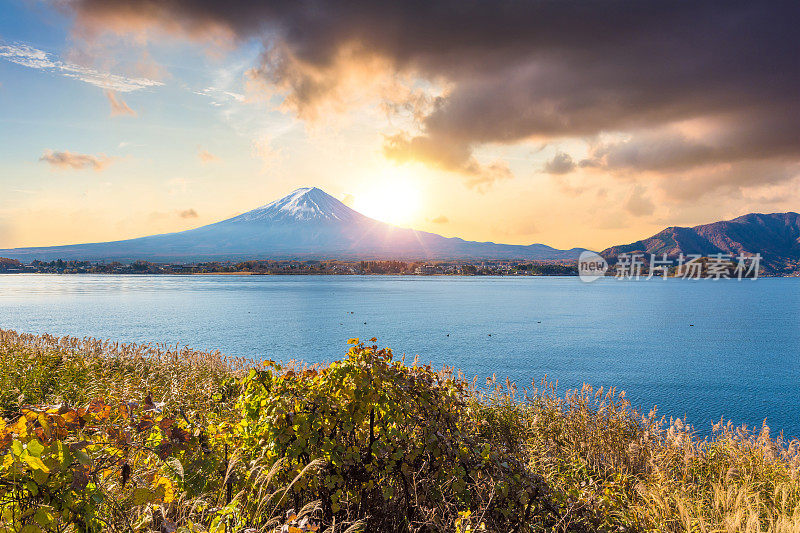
(775, 236)
(306, 224)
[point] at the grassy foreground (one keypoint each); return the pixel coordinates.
(109, 437)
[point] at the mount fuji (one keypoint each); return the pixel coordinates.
(306, 224)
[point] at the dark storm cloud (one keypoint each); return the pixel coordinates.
(757, 137)
(527, 70)
(729, 180)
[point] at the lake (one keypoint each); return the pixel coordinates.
(699, 348)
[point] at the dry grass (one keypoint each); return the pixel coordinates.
(41, 369)
(614, 467)
(607, 466)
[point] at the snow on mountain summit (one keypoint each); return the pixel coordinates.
(304, 204)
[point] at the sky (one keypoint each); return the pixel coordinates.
(561, 122)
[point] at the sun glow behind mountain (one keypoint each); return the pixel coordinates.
(393, 198)
(307, 223)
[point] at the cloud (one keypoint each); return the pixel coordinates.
(30, 57)
(638, 204)
(262, 148)
(167, 215)
(118, 106)
(207, 157)
(447, 156)
(670, 149)
(354, 77)
(519, 71)
(218, 95)
(69, 160)
(566, 187)
(687, 162)
(441, 219)
(735, 180)
(561, 163)
(177, 185)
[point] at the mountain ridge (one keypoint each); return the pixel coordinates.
(776, 236)
(308, 223)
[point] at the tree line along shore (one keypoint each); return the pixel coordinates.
(290, 267)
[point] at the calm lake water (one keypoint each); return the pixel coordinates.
(740, 358)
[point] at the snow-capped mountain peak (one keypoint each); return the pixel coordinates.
(304, 204)
(308, 223)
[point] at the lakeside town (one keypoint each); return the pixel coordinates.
(626, 267)
(295, 267)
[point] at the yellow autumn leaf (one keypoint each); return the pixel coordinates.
(164, 489)
(8, 460)
(20, 427)
(35, 463)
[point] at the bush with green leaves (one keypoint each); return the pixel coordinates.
(398, 444)
(99, 467)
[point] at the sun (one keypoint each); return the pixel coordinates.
(393, 198)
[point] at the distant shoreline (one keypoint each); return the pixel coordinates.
(300, 267)
(362, 274)
(272, 267)
(394, 274)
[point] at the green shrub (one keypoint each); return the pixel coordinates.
(398, 444)
(95, 468)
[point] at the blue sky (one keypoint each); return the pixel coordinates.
(154, 153)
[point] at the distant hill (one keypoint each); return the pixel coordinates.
(306, 224)
(775, 236)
